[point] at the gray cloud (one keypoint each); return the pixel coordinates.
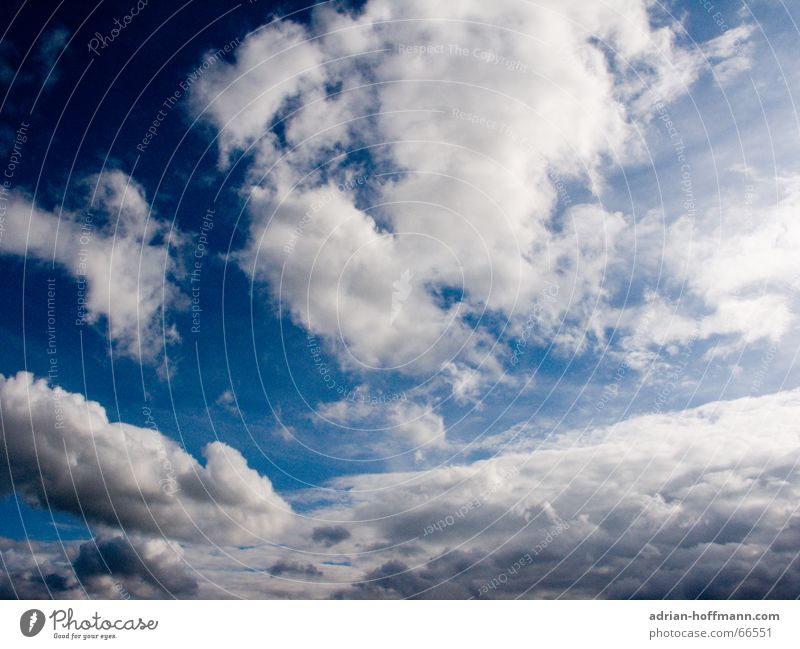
(294, 568)
(104, 567)
(116, 567)
(330, 535)
(701, 503)
(62, 452)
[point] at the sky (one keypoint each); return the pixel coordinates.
(365, 300)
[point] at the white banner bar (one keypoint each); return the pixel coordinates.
(390, 624)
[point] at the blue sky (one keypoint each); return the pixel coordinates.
(330, 274)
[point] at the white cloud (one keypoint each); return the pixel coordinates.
(269, 71)
(228, 401)
(418, 425)
(737, 276)
(123, 258)
(505, 103)
(731, 53)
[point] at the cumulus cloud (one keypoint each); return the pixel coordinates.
(119, 255)
(746, 256)
(271, 70)
(473, 130)
(61, 451)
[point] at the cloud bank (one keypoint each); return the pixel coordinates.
(60, 451)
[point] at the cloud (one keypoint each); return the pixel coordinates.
(115, 567)
(49, 49)
(731, 53)
(426, 182)
(34, 570)
(122, 261)
(330, 535)
(103, 568)
(272, 70)
(62, 452)
(727, 274)
(228, 401)
(472, 132)
(414, 425)
(294, 568)
(698, 503)
(747, 256)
